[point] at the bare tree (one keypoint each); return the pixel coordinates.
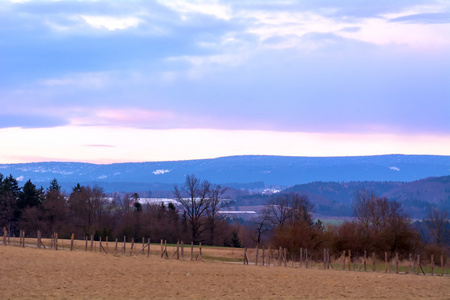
(438, 225)
(86, 207)
(54, 209)
(383, 224)
(262, 224)
(362, 208)
(193, 196)
(288, 208)
(216, 203)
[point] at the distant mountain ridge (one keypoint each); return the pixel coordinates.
(236, 170)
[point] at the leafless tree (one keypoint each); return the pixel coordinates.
(194, 198)
(289, 208)
(383, 224)
(54, 211)
(86, 206)
(216, 203)
(262, 224)
(438, 225)
(362, 206)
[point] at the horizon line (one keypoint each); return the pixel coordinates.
(220, 157)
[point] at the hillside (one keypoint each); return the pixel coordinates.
(237, 171)
(330, 182)
(416, 196)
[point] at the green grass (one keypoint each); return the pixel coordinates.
(220, 258)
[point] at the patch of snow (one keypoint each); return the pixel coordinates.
(160, 172)
(270, 191)
(394, 169)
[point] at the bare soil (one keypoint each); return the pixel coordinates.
(27, 273)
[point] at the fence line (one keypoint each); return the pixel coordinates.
(267, 257)
(346, 261)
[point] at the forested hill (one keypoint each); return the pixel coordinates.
(336, 197)
(235, 170)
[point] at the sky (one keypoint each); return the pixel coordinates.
(129, 81)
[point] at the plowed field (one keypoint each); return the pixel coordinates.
(32, 273)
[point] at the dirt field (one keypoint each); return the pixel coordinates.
(31, 273)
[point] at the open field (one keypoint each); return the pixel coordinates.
(33, 273)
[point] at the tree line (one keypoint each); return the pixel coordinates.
(379, 225)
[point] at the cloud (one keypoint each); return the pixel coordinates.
(430, 18)
(279, 65)
(213, 8)
(110, 23)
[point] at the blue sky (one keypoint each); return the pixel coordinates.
(111, 81)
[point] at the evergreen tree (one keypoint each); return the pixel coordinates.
(30, 196)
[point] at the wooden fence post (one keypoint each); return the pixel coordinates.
(301, 257)
(200, 250)
(85, 248)
(410, 264)
(418, 264)
(256, 255)
(162, 248)
(328, 260)
(285, 257)
(396, 262)
(71, 241)
(100, 244)
(432, 265)
(324, 258)
(342, 260)
(385, 262)
(279, 256)
(263, 257)
(245, 256)
(373, 262)
(178, 249)
(115, 247)
(39, 239)
(124, 244)
(148, 248)
(365, 257)
(132, 246)
(92, 243)
(192, 250)
(349, 260)
(56, 241)
(306, 258)
(107, 246)
(269, 255)
(23, 238)
(442, 265)
(4, 235)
